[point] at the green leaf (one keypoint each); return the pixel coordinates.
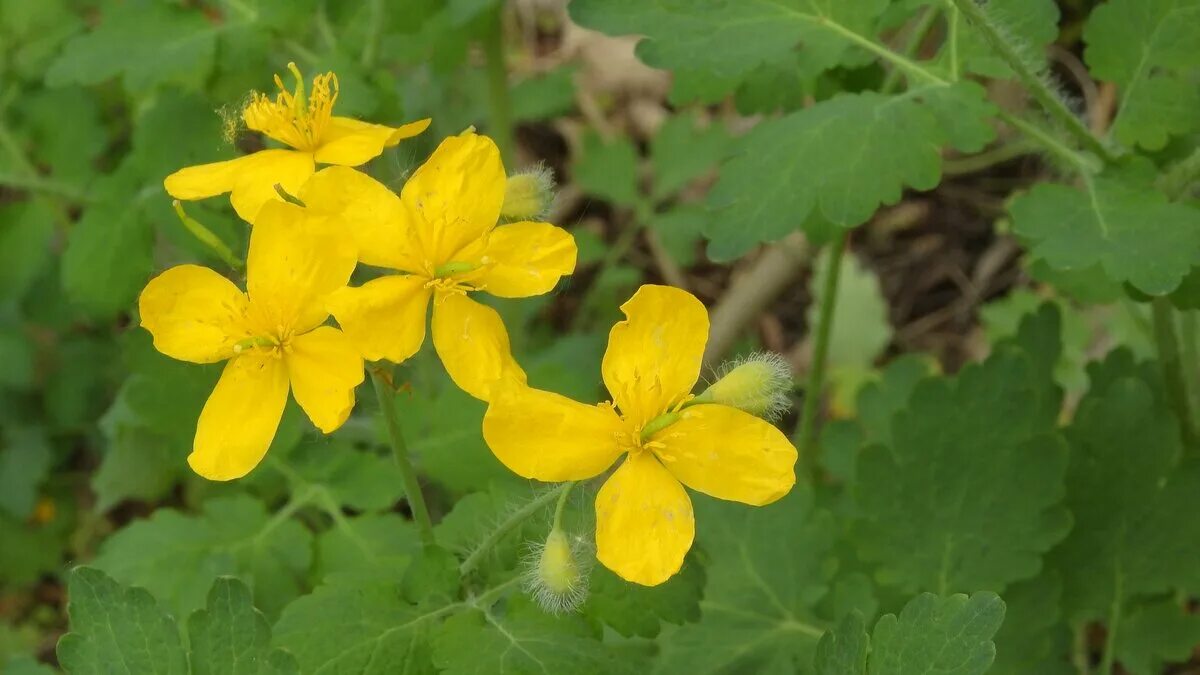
(871, 147)
(1133, 232)
(1128, 540)
(66, 131)
(150, 426)
(231, 636)
(1155, 633)
(640, 610)
(1147, 47)
(30, 550)
(146, 42)
(681, 152)
(25, 458)
(843, 650)
(177, 556)
(526, 640)
(608, 169)
(680, 229)
(931, 635)
(117, 629)
(108, 256)
(544, 96)
(976, 453)
(26, 230)
(1001, 319)
(1033, 638)
(361, 480)
(763, 587)
(727, 39)
(365, 547)
(947, 635)
(366, 629)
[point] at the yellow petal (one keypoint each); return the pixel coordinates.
(254, 184)
(194, 314)
(458, 192)
(471, 340)
(526, 259)
(369, 212)
(728, 454)
(653, 356)
(541, 435)
(241, 416)
(204, 180)
(350, 142)
(296, 258)
(251, 179)
(644, 523)
(324, 368)
(385, 317)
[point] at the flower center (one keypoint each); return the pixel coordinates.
(276, 344)
(292, 118)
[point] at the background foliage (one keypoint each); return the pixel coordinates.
(1005, 480)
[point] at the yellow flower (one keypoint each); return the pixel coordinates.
(272, 336)
(644, 523)
(307, 126)
(441, 235)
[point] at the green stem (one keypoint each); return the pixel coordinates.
(1191, 356)
(988, 158)
(1051, 102)
(36, 183)
(816, 373)
(561, 506)
(915, 37)
(499, 101)
(371, 43)
(1082, 163)
(1172, 366)
(521, 515)
(412, 487)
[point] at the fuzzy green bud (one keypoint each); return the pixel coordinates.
(528, 195)
(555, 577)
(758, 384)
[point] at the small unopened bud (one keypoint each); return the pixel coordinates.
(758, 384)
(555, 577)
(528, 195)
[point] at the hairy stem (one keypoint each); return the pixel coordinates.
(1169, 358)
(521, 515)
(1050, 101)
(816, 373)
(1181, 177)
(412, 487)
(499, 101)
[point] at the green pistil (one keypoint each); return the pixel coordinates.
(658, 424)
(447, 269)
(252, 342)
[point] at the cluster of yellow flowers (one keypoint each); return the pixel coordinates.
(440, 240)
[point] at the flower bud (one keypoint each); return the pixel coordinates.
(555, 577)
(528, 195)
(758, 384)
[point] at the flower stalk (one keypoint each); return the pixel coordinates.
(816, 374)
(1037, 87)
(499, 99)
(412, 487)
(521, 515)
(1169, 357)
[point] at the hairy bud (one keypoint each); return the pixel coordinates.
(758, 384)
(528, 195)
(555, 576)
